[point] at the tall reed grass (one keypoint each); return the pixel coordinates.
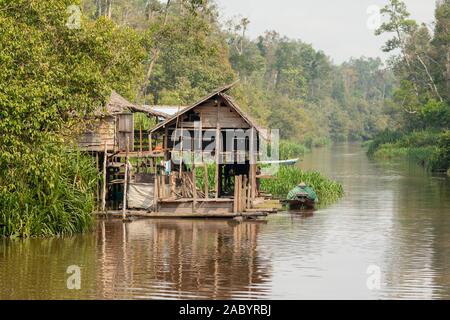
(52, 197)
(287, 178)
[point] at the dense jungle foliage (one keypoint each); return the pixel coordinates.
(420, 105)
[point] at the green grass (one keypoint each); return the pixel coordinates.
(287, 178)
(54, 197)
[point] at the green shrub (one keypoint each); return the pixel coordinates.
(386, 137)
(290, 149)
(440, 160)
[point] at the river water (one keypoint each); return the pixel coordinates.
(388, 238)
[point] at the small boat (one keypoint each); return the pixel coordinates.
(301, 197)
(289, 162)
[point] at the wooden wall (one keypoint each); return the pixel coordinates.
(101, 131)
(210, 117)
(125, 131)
(115, 131)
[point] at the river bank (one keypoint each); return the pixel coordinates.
(430, 149)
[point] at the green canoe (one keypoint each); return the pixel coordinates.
(302, 197)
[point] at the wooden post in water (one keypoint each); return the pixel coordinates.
(125, 183)
(236, 192)
(181, 154)
(253, 160)
(194, 191)
(105, 161)
(244, 193)
(249, 195)
(155, 191)
(239, 194)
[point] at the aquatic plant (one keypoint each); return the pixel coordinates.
(287, 178)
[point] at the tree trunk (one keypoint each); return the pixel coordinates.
(153, 60)
(432, 84)
(98, 4)
(110, 8)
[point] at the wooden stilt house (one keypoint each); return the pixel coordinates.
(116, 140)
(211, 138)
(114, 126)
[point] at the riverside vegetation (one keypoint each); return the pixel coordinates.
(420, 105)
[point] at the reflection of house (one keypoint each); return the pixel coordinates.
(181, 259)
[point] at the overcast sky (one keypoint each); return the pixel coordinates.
(338, 27)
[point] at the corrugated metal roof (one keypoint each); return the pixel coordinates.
(118, 104)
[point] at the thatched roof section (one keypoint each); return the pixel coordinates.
(118, 104)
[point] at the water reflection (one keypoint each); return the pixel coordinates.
(144, 259)
(181, 259)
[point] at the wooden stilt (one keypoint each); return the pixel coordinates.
(244, 193)
(105, 161)
(249, 196)
(155, 191)
(239, 194)
(253, 159)
(125, 183)
(97, 167)
(236, 194)
(181, 154)
(194, 192)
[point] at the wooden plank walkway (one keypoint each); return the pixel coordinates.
(145, 214)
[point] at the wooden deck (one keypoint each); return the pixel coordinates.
(138, 154)
(211, 215)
